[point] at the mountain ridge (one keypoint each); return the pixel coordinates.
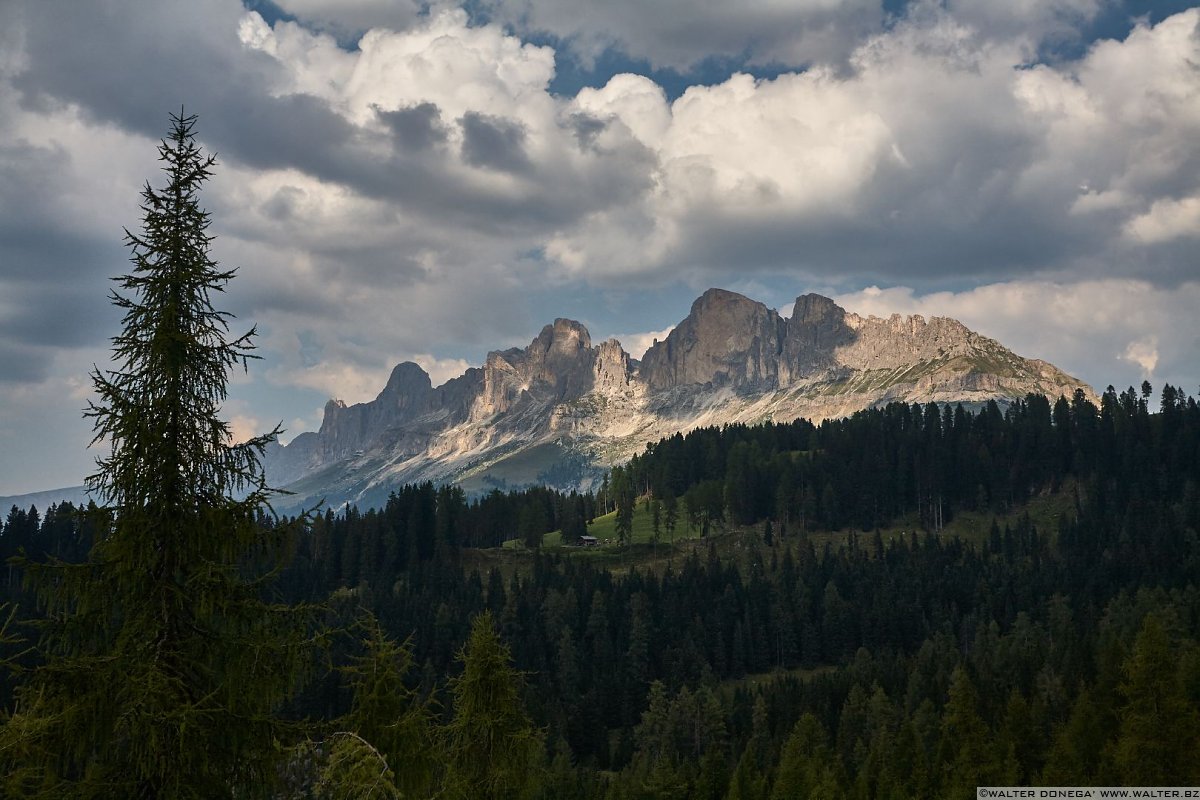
(562, 410)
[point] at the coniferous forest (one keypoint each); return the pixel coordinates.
(906, 603)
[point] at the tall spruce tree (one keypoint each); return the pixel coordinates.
(164, 667)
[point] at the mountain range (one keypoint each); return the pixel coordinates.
(563, 410)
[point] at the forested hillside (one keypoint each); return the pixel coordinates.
(829, 636)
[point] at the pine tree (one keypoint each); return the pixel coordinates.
(163, 667)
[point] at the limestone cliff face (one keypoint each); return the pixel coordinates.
(727, 339)
(556, 367)
(816, 330)
(347, 429)
(561, 410)
(613, 371)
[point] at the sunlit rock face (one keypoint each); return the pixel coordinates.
(561, 411)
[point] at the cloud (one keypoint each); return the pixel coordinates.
(636, 344)
(440, 369)
(1144, 353)
(416, 127)
(938, 153)
(349, 18)
(419, 192)
(494, 143)
(685, 35)
(1166, 220)
(243, 427)
(1110, 331)
(679, 34)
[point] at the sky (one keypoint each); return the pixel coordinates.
(406, 181)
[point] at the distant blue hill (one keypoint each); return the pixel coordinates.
(43, 500)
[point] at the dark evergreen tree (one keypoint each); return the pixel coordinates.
(495, 752)
(164, 670)
(623, 496)
(387, 745)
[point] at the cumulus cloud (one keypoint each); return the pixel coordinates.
(405, 193)
(1110, 331)
(1144, 353)
(440, 369)
(680, 33)
(636, 344)
(938, 152)
(243, 427)
(349, 18)
(1166, 220)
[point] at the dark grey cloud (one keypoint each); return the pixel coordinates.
(925, 161)
(20, 363)
(57, 313)
(494, 143)
(155, 58)
(417, 127)
(681, 34)
(586, 128)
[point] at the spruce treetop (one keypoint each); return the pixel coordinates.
(158, 408)
(163, 670)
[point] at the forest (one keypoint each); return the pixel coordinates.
(906, 603)
(794, 650)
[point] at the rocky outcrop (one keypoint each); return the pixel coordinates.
(561, 410)
(815, 331)
(612, 371)
(726, 339)
(556, 367)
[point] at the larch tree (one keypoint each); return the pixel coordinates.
(163, 667)
(386, 746)
(622, 491)
(494, 751)
(1159, 735)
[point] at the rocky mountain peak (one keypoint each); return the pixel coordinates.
(817, 329)
(613, 370)
(561, 409)
(407, 380)
(564, 336)
(815, 309)
(556, 366)
(726, 339)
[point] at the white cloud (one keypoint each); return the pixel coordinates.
(635, 101)
(936, 149)
(679, 34)
(1112, 331)
(335, 379)
(440, 369)
(1166, 220)
(924, 153)
(1033, 20)
(243, 427)
(1144, 353)
(636, 344)
(457, 67)
(313, 63)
